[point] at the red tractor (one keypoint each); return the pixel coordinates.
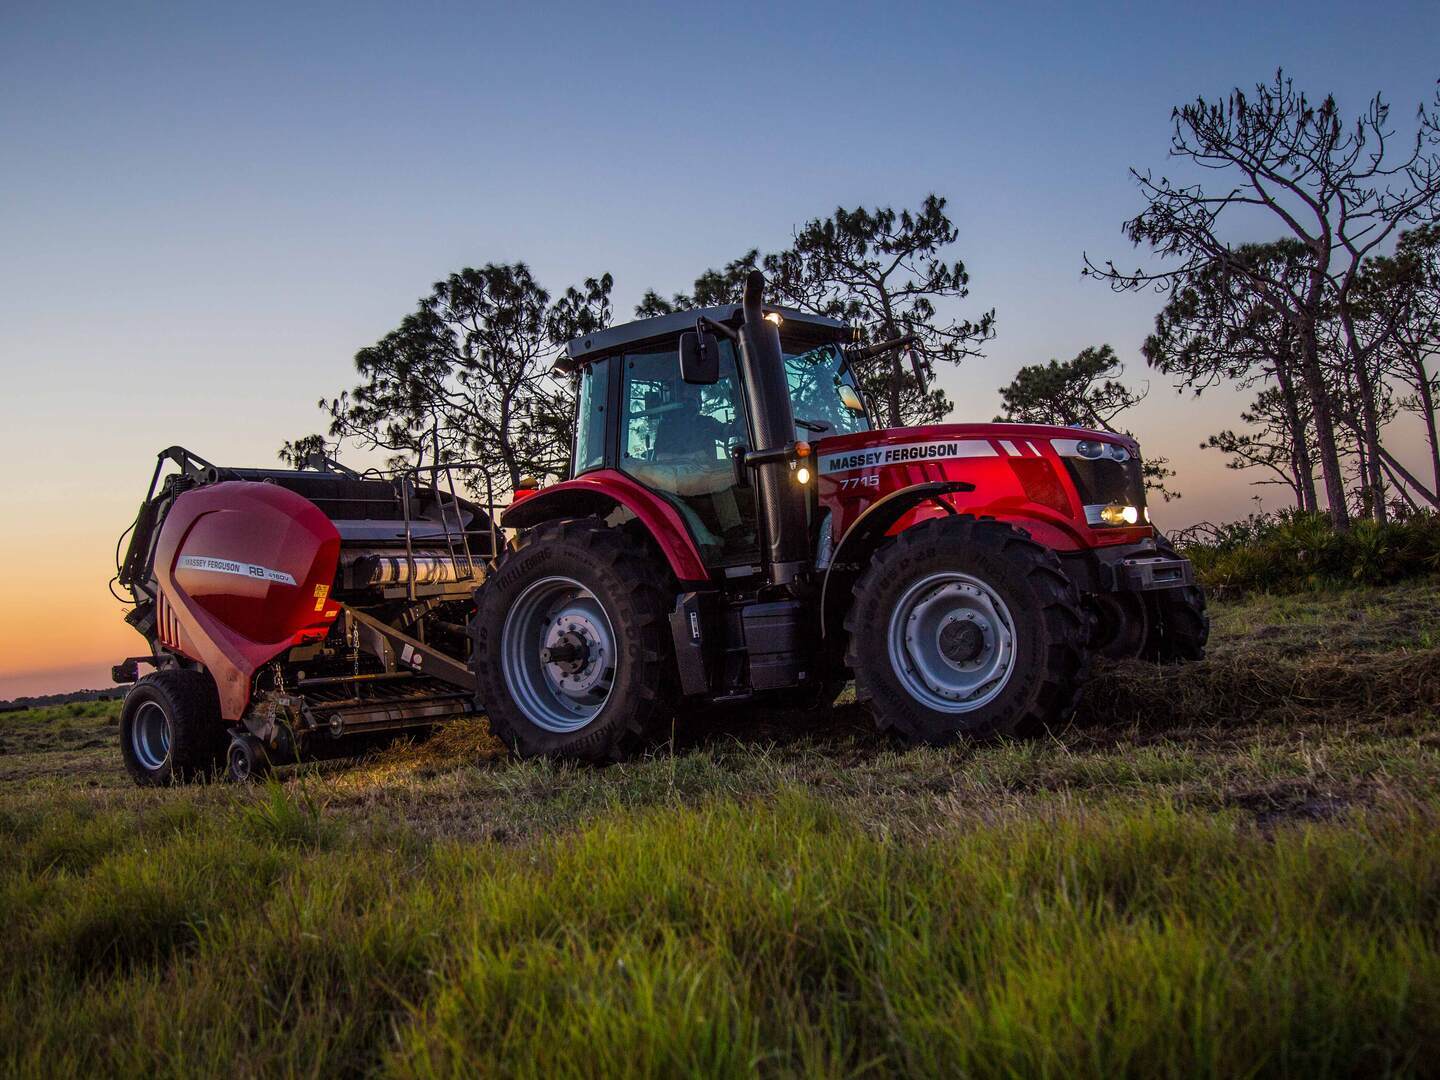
(734, 526)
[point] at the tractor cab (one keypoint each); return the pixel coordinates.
(683, 440)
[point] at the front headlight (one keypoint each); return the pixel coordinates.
(1115, 515)
(1091, 449)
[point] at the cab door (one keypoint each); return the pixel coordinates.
(675, 438)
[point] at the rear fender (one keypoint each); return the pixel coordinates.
(869, 532)
(598, 493)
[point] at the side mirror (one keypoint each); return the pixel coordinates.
(699, 358)
(850, 398)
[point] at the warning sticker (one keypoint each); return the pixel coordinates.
(229, 566)
(904, 453)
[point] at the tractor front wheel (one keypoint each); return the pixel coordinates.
(966, 629)
(571, 639)
(1179, 623)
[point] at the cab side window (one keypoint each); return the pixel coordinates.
(590, 417)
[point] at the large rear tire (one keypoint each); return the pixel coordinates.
(170, 728)
(966, 629)
(572, 649)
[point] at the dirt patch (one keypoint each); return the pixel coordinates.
(1292, 802)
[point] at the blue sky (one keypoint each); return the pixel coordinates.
(208, 209)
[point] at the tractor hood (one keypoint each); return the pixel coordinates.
(1071, 487)
(936, 443)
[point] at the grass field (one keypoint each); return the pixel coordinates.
(1231, 868)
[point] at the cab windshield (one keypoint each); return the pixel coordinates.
(823, 394)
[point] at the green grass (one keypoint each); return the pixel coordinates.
(1215, 870)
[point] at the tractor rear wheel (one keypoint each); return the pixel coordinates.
(964, 628)
(170, 728)
(1179, 623)
(572, 651)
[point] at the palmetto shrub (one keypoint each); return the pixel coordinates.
(1293, 552)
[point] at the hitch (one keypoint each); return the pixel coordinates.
(128, 670)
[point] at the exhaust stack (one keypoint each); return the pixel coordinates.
(767, 398)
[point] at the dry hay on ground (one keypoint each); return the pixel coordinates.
(1253, 687)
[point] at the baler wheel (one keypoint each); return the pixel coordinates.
(246, 760)
(965, 628)
(572, 643)
(170, 728)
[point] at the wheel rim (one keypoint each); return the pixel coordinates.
(239, 762)
(952, 642)
(558, 654)
(150, 736)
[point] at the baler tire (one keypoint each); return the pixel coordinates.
(246, 759)
(635, 592)
(196, 735)
(1048, 627)
(1180, 623)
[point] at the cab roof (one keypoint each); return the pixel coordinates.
(797, 325)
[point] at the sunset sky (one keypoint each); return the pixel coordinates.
(208, 209)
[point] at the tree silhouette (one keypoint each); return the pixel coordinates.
(467, 378)
(880, 269)
(1083, 392)
(711, 289)
(303, 451)
(885, 271)
(1216, 328)
(1272, 446)
(1410, 281)
(1340, 189)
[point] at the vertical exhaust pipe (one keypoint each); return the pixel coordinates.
(767, 398)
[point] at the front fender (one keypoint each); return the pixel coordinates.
(870, 528)
(601, 491)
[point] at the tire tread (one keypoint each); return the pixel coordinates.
(1066, 662)
(647, 590)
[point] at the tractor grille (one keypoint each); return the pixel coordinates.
(1103, 481)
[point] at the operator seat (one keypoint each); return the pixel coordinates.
(691, 440)
(686, 432)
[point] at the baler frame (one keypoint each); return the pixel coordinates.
(387, 645)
